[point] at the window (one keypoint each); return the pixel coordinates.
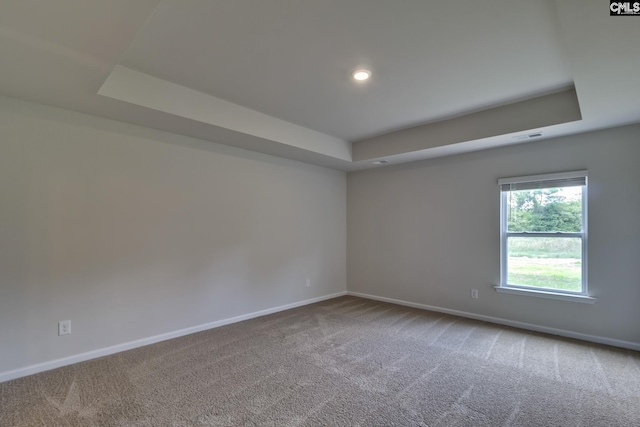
(543, 226)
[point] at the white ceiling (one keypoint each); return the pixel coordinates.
(274, 75)
(293, 59)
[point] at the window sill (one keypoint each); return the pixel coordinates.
(544, 294)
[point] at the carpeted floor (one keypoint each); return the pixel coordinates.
(342, 362)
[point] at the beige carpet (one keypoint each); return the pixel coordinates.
(342, 362)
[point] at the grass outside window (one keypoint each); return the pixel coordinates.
(551, 263)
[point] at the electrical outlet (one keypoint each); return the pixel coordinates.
(64, 327)
(474, 293)
(308, 283)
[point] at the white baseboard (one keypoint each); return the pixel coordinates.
(529, 326)
(52, 364)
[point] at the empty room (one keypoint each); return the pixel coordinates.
(319, 213)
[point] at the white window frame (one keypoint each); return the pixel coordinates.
(504, 287)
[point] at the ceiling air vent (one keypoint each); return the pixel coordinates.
(529, 136)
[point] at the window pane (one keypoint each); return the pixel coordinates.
(545, 262)
(545, 210)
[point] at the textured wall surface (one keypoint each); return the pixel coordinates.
(131, 233)
(428, 232)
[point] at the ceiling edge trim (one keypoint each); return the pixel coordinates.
(125, 84)
(535, 113)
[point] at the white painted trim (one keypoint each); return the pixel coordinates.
(585, 299)
(57, 363)
(522, 325)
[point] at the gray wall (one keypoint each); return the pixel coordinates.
(131, 232)
(428, 232)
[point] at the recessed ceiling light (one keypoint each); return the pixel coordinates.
(381, 162)
(361, 74)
